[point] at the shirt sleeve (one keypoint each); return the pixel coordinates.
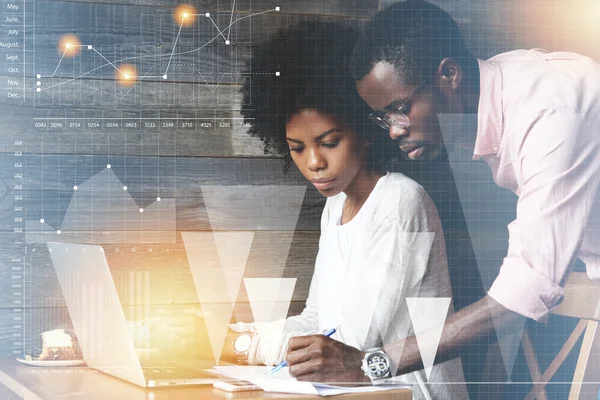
(271, 339)
(402, 252)
(408, 255)
(557, 166)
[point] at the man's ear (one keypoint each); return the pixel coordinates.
(449, 74)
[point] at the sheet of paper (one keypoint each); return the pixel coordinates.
(283, 382)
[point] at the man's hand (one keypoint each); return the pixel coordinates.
(317, 358)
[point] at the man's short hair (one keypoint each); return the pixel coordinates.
(414, 36)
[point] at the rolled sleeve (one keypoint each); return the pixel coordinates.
(525, 291)
(557, 165)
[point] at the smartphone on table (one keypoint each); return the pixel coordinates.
(236, 386)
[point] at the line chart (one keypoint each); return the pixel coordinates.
(165, 74)
(172, 48)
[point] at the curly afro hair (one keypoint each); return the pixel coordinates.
(305, 66)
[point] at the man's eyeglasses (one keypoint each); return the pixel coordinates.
(396, 117)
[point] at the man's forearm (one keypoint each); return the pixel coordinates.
(466, 327)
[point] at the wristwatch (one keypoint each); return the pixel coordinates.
(376, 365)
(241, 347)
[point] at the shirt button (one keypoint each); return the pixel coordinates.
(495, 148)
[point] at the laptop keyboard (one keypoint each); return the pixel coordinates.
(165, 371)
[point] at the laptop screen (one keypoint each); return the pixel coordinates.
(118, 314)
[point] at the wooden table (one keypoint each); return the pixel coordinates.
(19, 381)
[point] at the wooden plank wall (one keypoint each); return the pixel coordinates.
(494, 26)
(184, 133)
(178, 153)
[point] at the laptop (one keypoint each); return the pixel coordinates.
(99, 321)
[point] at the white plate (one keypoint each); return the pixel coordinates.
(52, 363)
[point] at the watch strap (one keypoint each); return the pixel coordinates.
(375, 380)
(242, 356)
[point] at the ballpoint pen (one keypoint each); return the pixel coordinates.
(284, 363)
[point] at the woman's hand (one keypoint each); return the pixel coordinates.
(318, 358)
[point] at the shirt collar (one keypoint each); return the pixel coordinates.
(489, 115)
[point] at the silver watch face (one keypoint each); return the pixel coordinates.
(242, 343)
(377, 365)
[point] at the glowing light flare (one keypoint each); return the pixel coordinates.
(580, 15)
(558, 25)
(185, 15)
(69, 45)
(126, 75)
(589, 21)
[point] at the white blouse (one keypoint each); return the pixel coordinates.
(365, 269)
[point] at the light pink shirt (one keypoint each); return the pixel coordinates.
(539, 131)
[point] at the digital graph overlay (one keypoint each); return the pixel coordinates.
(131, 68)
(145, 63)
(102, 211)
(122, 79)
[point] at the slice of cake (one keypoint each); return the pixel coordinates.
(59, 345)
